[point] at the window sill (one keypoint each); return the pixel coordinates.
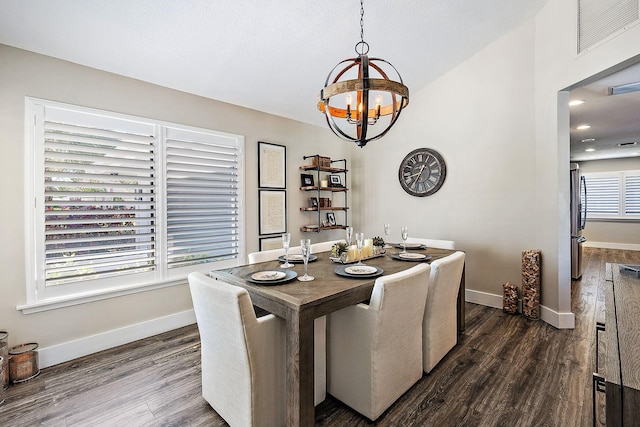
(71, 300)
(620, 220)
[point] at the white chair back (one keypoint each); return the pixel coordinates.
(439, 325)
(324, 246)
(433, 243)
(270, 255)
(242, 357)
(375, 350)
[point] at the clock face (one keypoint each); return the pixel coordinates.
(422, 172)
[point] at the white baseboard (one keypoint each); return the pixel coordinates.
(610, 245)
(554, 318)
(49, 356)
(483, 298)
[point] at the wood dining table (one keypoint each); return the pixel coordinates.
(299, 303)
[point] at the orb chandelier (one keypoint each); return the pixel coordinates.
(359, 100)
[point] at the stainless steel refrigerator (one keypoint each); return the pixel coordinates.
(578, 219)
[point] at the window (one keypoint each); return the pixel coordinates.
(122, 202)
(613, 195)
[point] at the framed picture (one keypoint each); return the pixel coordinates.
(306, 180)
(269, 243)
(331, 218)
(335, 180)
(313, 202)
(272, 165)
(273, 211)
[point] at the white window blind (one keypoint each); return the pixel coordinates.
(613, 195)
(632, 194)
(202, 198)
(99, 199)
(127, 202)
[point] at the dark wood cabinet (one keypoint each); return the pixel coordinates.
(622, 360)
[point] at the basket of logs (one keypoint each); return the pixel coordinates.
(531, 273)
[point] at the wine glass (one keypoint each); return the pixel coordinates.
(305, 247)
(359, 243)
(349, 231)
(286, 241)
(387, 231)
(405, 235)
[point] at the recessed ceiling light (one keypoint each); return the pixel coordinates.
(576, 102)
(589, 150)
(628, 144)
(588, 140)
(583, 127)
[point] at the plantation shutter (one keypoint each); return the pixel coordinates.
(632, 194)
(202, 187)
(99, 197)
(603, 195)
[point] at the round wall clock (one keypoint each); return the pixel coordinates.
(422, 172)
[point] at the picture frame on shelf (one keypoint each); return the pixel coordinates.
(331, 218)
(306, 180)
(270, 242)
(272, 211)
(335, 180)
(272, 165)
(313, 202)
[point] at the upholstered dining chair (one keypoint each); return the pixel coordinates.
(375, 350)
(433, 243)
(319, 331)
(271, 254)
(439, 326)
(324, 246)
(243, 377)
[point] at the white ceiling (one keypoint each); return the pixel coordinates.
(270, 56)
(614, 119)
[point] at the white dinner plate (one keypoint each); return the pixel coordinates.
(360, 269)
(411, 245)
(268, 275)
(411, 255)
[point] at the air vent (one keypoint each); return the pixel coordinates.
(625, 88)
(599, 19)
(628, 144)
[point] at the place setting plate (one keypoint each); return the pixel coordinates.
(358, 271)
(410, 246)
(410, 256)
(297, 258)
(271, 277)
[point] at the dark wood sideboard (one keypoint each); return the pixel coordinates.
(622, 360)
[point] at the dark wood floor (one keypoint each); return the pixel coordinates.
(505, 371)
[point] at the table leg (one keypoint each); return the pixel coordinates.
(299, 370)
(461, 301)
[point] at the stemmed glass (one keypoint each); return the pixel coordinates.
(305, 247)
(387, 231)
(349, 231)
(405, 235)
(359, 243)
(286, 241)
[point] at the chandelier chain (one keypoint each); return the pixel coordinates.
(362, 21)
(363, 45)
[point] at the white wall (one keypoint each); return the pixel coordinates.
(608, 233)
(117, 320)
(501, 122)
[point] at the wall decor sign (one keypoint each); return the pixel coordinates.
(273, 211)
(272, 165)
(269, 243)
